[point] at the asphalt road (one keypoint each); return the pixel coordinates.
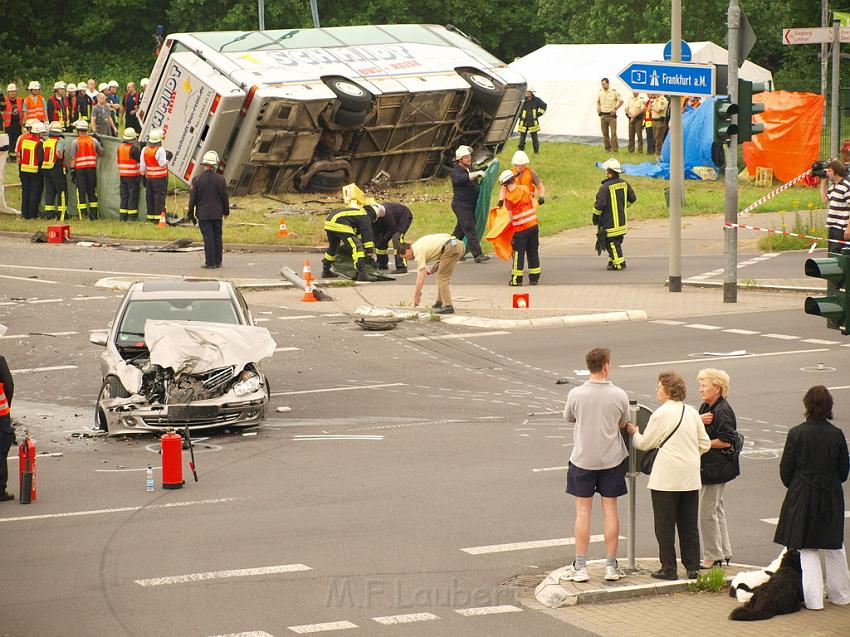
(413, 476)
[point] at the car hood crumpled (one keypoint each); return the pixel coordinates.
(189, 347)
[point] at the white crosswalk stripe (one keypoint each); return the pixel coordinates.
(389, 620)
(320, 628)
(488, 610)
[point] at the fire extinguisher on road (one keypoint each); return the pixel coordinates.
(26, 470)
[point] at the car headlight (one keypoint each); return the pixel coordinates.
(248, 382)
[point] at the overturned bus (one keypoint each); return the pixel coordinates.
(314, 109)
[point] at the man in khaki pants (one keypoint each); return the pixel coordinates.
(435, 253)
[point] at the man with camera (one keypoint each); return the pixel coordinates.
(835, 190)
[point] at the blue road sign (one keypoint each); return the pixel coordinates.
(670, 78)
(685, 48)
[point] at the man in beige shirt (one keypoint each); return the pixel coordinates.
(607, 103)
(635, 108)
(658, 110)
(435, 253)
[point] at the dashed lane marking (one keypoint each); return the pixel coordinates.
(488, 610)
(43, 369)
(720, 358)
(389, 620)
(296, 317)
(287, 349)
(27, 279)
(742, 332)
(446, 337)
(521, 546)
(252, 633)
(781, 337)
(331, 389)
(37, 301)
(701, 326)
(336, 437)
(549, 469)
(667, 322)
(73, 514)
(819, 341)
(838, 387)
(320, 628)
(239, 572)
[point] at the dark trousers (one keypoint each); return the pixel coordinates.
(382, 251)
(465, 226)
(836, 235)
(155, 191)
(650, 141)
(128, 191)
(5, 445)
(211, 232)
(345, 241)
(636, 134)
(677, 511)
(535, 143)
(31, 187)
(131, 121)
(526, 243)
(14, 130)
(55, 193)
(614, 245)
(87, 192)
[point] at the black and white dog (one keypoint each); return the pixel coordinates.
(743, 584)
(781, 594)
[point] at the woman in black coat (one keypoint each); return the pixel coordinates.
(814, 465)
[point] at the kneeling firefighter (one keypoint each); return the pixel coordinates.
(350, 229)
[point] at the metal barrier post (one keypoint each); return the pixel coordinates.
(632, 474)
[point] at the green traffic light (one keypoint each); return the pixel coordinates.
(835, 307)
(724, 128)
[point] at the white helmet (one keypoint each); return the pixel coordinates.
(613, 165)
(155, 136)
(55, 128)
(81, 124)
(378, 209)
(210, 158)
(71, 87)
(520, 158)
(34, 86)
(112, 84)
(102, 86)
(129, 134)
(462, 151)
(11, 87)
(58, 85)
(530, 89)
(38, 128)
(30, 122)
(145, 81)
(505, 176)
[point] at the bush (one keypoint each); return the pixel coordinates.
(780, 242)
(711, 581)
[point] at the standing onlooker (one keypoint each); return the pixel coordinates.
(91, 90)
(73, 105)
(34, 106)
(86, 102)
(607, 102)
(719, 465)
(208, 205)
(531, 109)
(813, 467)
(114, 101)
(465, 191)
(130, 108)
(7, 435)
(658, 112)
(391, 226)
(525, 242)
(30, 153)
(53, 170)
(599, 409)
(635, 110)
(154, 170)
(12, 114)
(102, 118)
(129, 176)
(81, 158)
(838, 196)
(435, 253)
(609, 214)
(675, 480)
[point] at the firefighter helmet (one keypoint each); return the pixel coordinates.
(520, 158)
(506, 176)
(34, 86)
(81, 125)
(58, 85)
(613, 165)
(129, 134)
(38, 128)
(210, 158)
(11, 87)
(55, 128)
(461, 152)
(155, 136)
(145, 81)
(70, 87)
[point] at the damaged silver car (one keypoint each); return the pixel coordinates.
(182, 352)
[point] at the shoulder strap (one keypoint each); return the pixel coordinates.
(674, 431)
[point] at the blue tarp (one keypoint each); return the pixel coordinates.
(697, 137)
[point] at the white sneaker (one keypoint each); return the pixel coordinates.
(612, 573)
(573, 574)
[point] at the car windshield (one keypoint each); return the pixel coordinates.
(206, 310)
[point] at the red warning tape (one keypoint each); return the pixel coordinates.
(788, 234)
(773, 193)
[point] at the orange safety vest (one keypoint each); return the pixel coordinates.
(127, 166)
(4, 403)
(49, 145)
(35, 107)
(522, 177)
(647, 116)
(7, 112)
(522, 208)
(152, 168)
(28, 156)
(86, 154)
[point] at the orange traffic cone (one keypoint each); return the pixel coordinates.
(162, 223)
(282, 231)
(309, 286)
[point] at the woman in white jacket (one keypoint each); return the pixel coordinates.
(675, 479)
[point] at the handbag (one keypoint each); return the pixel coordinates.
(649, 457)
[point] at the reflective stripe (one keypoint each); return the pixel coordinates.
(29, 157)
(525, 217)
(338, 227)
(127, 166)
(86, 155)
(152, 168)
(618, 217)
(4, 404)
(34, 105)
(49, 152)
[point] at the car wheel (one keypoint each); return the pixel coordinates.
(349, 118)
(111, 388)
(484, 89)
(350, 95)
(327, 181)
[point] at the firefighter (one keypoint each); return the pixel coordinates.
(531, 110)
(30, 153)
(465, 191)
(7, 434)
(82, 159)
(391, 225)
(527, 177)
(351, 229)
(154, 168)
(609, 214)
(53, 170)
(518, 200)
(34, 106)
(130, 108)
(73, 105)
(129, 174)
(58, 109)
(84, 103)
(114, 101)
(13, 117)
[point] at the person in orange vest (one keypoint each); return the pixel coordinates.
(53, 170)
(520, 204)
(7, 434)
(13, 117)
(525, 176)
(58, 109)
(154, 169)
(34, 106)
(129, 175)
(82, 159)
(30, 153)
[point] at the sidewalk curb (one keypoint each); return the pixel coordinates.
(755, 288)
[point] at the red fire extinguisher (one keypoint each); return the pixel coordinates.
(172, 460)
(26, 470)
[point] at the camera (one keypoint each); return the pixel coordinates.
(819, 168)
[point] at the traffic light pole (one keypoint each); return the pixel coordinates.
(677, 167)
(730, 236)
(835, 123)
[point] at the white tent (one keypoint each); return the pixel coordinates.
(567, 77)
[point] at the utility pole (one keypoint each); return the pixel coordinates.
(261, 12)
(824, 50)
(677, 168)
(315, 11)
(835, 124)
(730, 236)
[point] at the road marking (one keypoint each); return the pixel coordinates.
(782, 337)
(73, 514)
(839, 387)
(819, 341)
(23, 278)
(337, 437)
(667, 322)
(720, 358)
(124, 470)
(319, 628)
(288, 349)
(296, 317)
(240, 572)
(389, 620)
(253, 633)
(700, 326)
(775, 521)
(36, 301)
(446, 337)
(520, 546)
(743, 332)
(488, 610)
(43, 369)
(85, 270)
(15, 336)
(329, 389)
(87, 298)
(549, 469)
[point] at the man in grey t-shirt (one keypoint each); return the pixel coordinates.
(101, 116)
(599, 410)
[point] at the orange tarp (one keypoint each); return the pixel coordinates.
(500, 232)
(791, 138)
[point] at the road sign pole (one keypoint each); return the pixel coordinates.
(835, 124)
(824, 49)
(730, 237)
(677, 169)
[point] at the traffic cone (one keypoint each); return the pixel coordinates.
(282, 231)
(162, 223)
(309, 286)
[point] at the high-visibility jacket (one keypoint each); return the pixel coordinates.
(86, 154)
(152, 168)
(529, 115)
(647, 116)
(30, 153)
(609, 211)
(35, 108)
(524, 176)
(521, 206)
(18, 104)
(59, 111)
(4, 402)
(49, 146)
(351, 221)
(127, 166)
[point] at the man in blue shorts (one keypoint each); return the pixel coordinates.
(599, 409)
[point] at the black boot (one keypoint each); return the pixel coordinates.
(327, 273)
